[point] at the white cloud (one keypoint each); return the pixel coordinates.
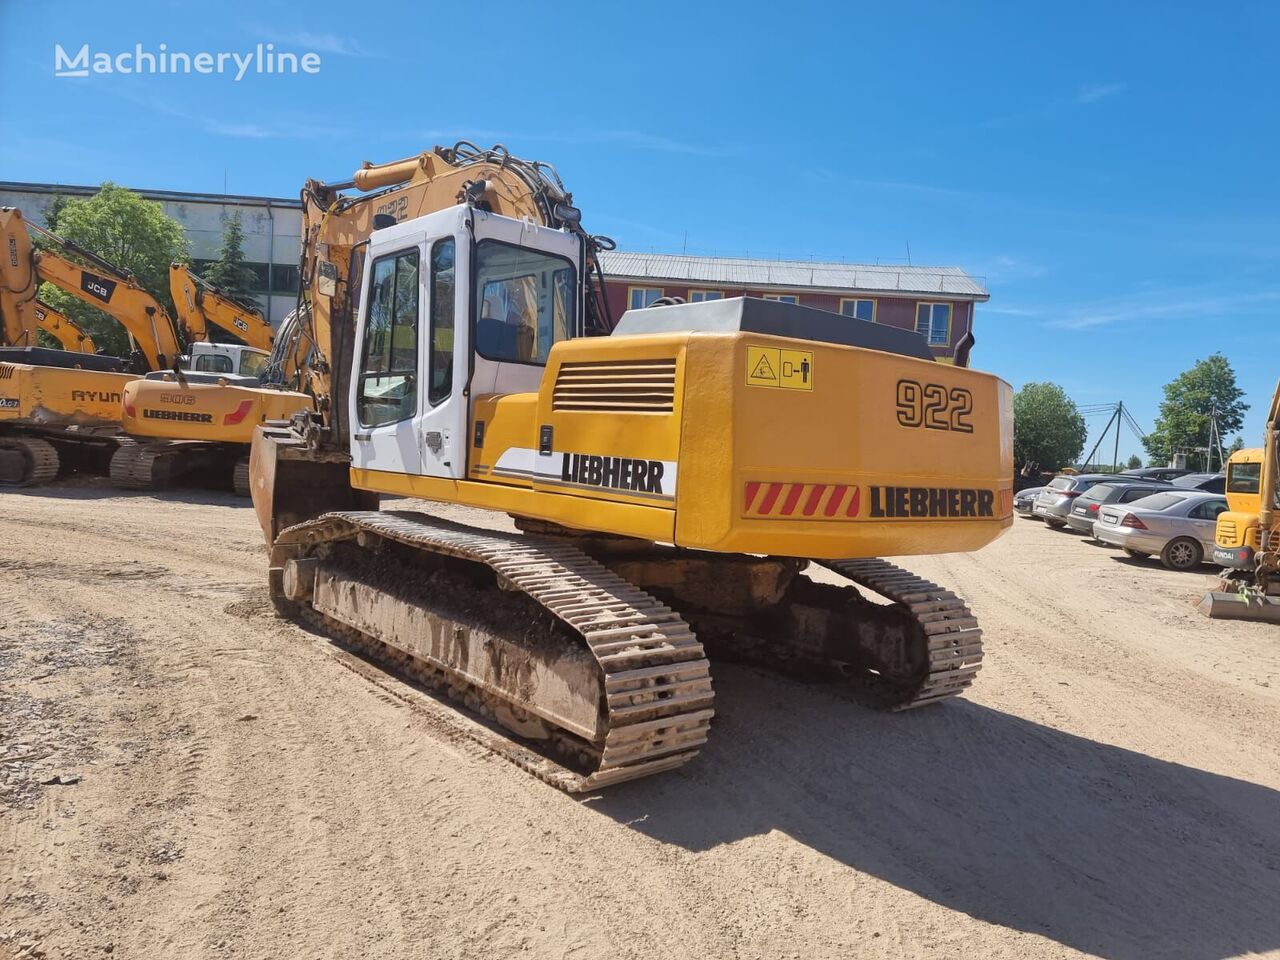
(1093, 92)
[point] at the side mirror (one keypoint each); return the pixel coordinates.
(326, 279)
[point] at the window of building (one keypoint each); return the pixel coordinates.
(388, 390)
(284, 278)
(525, 302)
(782, 297)
(259, 271)
(933, 322)
(442, 310)
(860, 308)
(641, 297)
(699, 296)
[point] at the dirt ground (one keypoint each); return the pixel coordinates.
(183, 775)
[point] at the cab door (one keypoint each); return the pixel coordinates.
(404, 415)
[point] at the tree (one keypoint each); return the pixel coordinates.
(129, 232)
(1186, 411)
(1236, 444)
(230, 271)
(1047, 427)
(1134, 462)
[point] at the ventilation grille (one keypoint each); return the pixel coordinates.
(7, 371)
(616, 386)
(1227, 531)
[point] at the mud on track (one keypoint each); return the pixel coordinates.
(229, 785)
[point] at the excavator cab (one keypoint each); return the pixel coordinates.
(421, 366)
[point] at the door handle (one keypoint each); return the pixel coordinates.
(364, 436)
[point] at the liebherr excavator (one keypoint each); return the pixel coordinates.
(57, 398)
(671, 480)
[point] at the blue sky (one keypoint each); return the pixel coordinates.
(1109, 169)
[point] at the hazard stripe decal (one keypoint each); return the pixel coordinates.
(799, 500)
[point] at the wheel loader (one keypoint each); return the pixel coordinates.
(1247, 535)
(671, 478)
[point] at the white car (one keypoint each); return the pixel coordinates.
(1178, 525)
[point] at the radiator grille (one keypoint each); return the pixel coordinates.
(616, 386)
(1227, 531)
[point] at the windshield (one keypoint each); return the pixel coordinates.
(1244, 477)
(525, 302)
(1060, 483)
(253, 364)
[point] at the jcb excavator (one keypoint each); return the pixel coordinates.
(201, 306)
(202, 419)
(1247, 537)
(671, 480)
(58, 325)
(57, 398)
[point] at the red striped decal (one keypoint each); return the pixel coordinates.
(770, 497)
(815, 495)
(854, 502)
(753, 487)
(793, 497)
(833, 505)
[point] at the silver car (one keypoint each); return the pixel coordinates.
(1084, 511)
(1024, 500)
(1176, 524)
(1053, 506)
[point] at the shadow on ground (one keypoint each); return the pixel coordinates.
(77, 487)
(1101, 849)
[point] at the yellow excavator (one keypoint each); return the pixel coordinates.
(201, 419)
(58, 325)
(671, 479)
(55, 403)
(1247, 536)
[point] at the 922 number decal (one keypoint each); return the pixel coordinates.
(934, 406)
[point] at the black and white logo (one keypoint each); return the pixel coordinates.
(97, 286)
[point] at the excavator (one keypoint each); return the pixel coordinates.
(66, 331)
(202, 419)
(1247, 536)
(671, 478)
(58, 400)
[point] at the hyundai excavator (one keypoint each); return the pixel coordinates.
(671, 479)
(52, 400)
(1247, 535)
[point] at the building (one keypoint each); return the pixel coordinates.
(272, 231)
(936, 302)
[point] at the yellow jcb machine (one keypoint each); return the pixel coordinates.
(671, 480)
(58, 402)
(1247, 537)
(201, 419)
(67, 332)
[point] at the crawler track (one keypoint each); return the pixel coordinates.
(137, 467)
(656, 680)
(41, 459)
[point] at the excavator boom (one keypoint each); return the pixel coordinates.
(200, 305)
(66, 331)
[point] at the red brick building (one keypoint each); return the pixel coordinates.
(936, 302)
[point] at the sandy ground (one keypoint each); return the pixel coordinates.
(183, 775)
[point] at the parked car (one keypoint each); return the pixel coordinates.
(1053, 506)
(1178, 525)
(1208, 482)
(1084, 511)
(1156, 473)
(1024, 500)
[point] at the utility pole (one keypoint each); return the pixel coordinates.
(1115, 455)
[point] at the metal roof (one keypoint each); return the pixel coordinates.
(799, 274)
(176, 196)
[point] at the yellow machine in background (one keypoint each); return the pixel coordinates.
(66, 331)
(672, 480)
(1247, 537)
(201, 306)
(56, 403)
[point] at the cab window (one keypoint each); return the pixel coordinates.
(442, 311)
(388, 391)
(525, 302)
(1244, 477)
(253, 364)
(213, 363)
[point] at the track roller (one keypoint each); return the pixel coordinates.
(27, 461)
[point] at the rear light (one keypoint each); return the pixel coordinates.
(1131, 521)
(1071, 493)
(1093, 507)
(129, 410)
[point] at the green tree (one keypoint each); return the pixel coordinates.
(1185, 413)
(230, 271)
(1236, 444)
(127, 231)
(1134, 462)
(1047, 427)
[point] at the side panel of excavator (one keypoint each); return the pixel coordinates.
(174, 410)
(56, 397)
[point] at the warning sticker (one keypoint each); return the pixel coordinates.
(784, 369)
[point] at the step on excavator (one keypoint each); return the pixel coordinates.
(202, 419)
(1247, 535)
(57, 403)
(671, 478)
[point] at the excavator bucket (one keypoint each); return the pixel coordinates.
(1218, 605)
